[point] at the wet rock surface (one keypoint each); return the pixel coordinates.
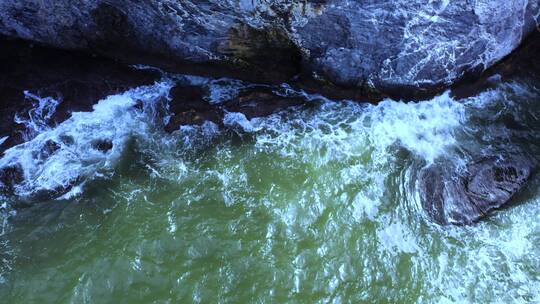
(103, 145)
(189, 107)
(261, 101)
(454, 196)
(74, 79)
(190, 104)
(396, 48)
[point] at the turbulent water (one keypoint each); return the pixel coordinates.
(317, 203)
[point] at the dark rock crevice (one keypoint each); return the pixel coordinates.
(189, 105)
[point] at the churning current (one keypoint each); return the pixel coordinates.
(316, 203)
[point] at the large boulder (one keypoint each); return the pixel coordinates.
(397, 47)
(462, 196)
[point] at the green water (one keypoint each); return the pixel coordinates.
(311, 205)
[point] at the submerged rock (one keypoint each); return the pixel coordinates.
(450, 196)
(399, 47)
(103, 145)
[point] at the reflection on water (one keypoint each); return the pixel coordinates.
(315, 203)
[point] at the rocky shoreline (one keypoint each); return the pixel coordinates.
(89, 58)
(80, 79)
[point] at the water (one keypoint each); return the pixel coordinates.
(312, 204)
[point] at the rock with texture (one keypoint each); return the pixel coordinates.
(397, 47)
(454, 197)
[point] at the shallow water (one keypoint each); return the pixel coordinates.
(313, 204)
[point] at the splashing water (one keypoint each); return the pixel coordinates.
(38, 116)
(311, 204)
(75, 153)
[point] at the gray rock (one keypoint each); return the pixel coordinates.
(389, 46)
(450, 196)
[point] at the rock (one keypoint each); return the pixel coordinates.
(10, 177)
(452, 197)
(103, 145)
(399, 48)
(49, 148)
(189, 107)
(77, 80)
(189, 104)
(261, 101)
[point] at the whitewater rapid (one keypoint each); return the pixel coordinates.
(338, 175)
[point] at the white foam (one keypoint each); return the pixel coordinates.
(235, 119)
(397, 236)
(365, 206)
(220, 90)
(425, 128)
(192, 136)
(503, 251)
(38, 116)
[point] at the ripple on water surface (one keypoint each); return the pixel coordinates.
(313, 204)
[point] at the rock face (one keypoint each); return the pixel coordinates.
(453, 197)
(397, 47)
